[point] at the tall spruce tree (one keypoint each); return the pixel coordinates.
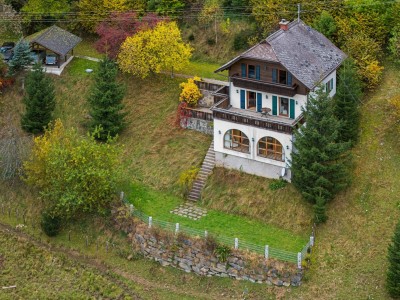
(39, 101)
(105, 100)
(21, 58)
(393, 273)
(346, 102)
(319, 161)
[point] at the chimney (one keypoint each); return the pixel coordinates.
(284, 24)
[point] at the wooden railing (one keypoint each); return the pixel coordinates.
(193, 113)
(269, 87)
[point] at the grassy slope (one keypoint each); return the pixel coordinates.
(158, 205)
(352, 246)
(239, 193)
(46, 275)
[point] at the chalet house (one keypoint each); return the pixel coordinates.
(268, 86)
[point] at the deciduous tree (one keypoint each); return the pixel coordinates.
(154, 50)
(39, 101)
(319, 162)
(74, 174)
(114, 30)
(105, 101)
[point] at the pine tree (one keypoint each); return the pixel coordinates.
(319, 161)
(347, 99)
(320, 210)
(105, 101)
(21, 58)
(393, 273)
(39, 101)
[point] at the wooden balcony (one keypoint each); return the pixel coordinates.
(267, 87)
(223, 111)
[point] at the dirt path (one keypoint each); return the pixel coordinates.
(105, 269)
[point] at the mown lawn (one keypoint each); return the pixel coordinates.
(158, 205)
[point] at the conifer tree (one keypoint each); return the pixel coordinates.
(347, 99)
(39, 101)
(319, 161)
(21, 58)
(393, 274)
(105, 101)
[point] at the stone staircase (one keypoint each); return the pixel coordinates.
(205, 171)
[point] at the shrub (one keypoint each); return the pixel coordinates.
(187, 178)
(210, 243)
(190, 92)
(395, 103)
(210, 41)
(50, 223)
(277, 184)
(222, 252)
(241, 40)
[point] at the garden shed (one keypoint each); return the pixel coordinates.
(54, 42)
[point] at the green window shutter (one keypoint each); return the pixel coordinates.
(275, 75)
(259, 102)
(244, 70)
(274, 105)
(242, 99)
(292, 105)
(258, 72)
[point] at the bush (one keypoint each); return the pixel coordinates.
(190, 92)
(222, 252)
(50, 223)
(211, 42)
(240, 41)
(187, 178)
(277, 184)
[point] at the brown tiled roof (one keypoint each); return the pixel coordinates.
(55, 39)
(303, 51)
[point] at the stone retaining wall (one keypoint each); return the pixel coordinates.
(202, 126)
(199, 255)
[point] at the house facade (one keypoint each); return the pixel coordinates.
(268, 87)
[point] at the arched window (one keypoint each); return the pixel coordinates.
(271, 148)
(236, 140)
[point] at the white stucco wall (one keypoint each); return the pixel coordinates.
(221, 127)
(266, 98)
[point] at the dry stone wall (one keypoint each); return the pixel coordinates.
(198, 255)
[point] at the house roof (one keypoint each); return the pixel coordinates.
(55, 39)
(303, 51)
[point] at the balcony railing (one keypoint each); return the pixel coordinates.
(197, 114)
(221, 111)
(268, 87)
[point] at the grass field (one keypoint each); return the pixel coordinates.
(158, 205)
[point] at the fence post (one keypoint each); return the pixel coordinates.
(236, 243)
(176, 228)
(205, 233)
(121, 196)
(131, 208)
(311, 241)
(266, 252)
(299, 260)
(150, 221)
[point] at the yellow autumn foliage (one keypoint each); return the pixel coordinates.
(395, 103)
(190, 92)
(154, 50)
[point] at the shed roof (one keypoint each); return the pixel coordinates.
(55, 39)
(303, 51)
